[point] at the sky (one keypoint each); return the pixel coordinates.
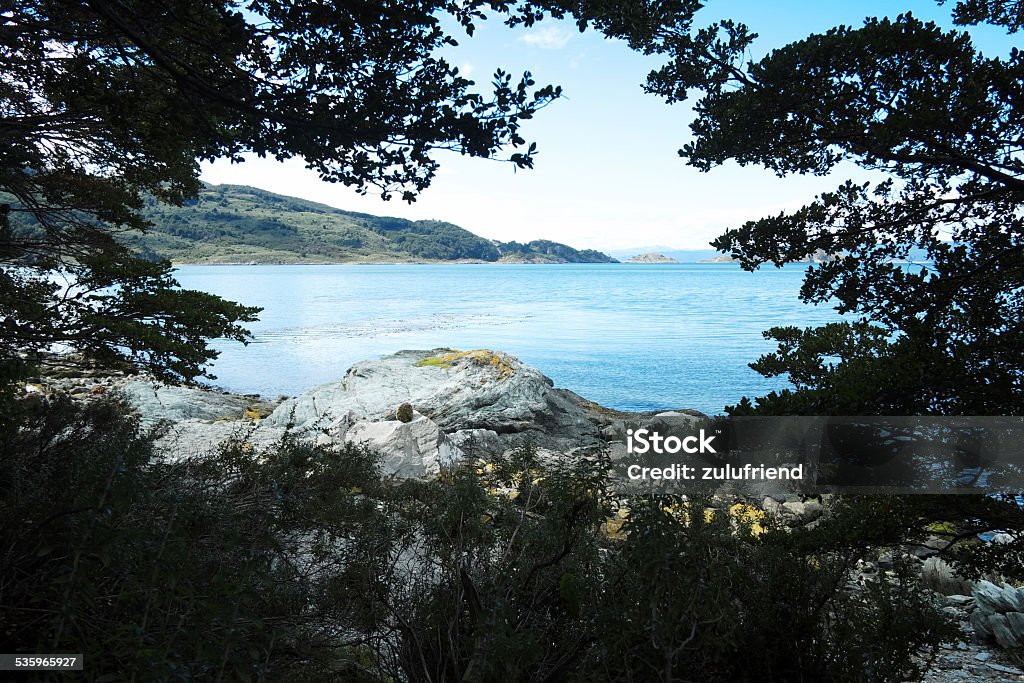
(608, 175)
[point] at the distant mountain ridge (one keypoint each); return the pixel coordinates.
(240, 224)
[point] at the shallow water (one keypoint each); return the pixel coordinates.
(632, 337)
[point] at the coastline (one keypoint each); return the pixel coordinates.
(445, 263)
(468, 262)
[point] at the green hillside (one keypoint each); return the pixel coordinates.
(237, 224)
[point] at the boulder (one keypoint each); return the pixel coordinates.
(940, 577)
(1003, 632)
(458, 390)
(793, 512)
(413, 449)
(1015, 621)
(999, 614)
(478, 402)
(804, 512)
(982, 630)
(997, 599)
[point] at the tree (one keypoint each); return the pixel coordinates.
(941, 123)
(944, 122)
(103, 104)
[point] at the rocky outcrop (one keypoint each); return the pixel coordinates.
(999, 614)
(967, 658)
(417, 448)
(481, 392)
(161, 402)
(421, 410)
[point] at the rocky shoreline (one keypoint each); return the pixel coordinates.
(480, 400)
(426, 410)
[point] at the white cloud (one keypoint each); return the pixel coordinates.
(547, 38)
(466, 70)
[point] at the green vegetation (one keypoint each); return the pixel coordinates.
(234, 224)
(545, 251)
(481, 357)
(103, 105)
(297, 562)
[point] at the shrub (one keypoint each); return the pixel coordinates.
(205, 568)
(298, 562)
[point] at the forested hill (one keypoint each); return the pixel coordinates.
(237, 224)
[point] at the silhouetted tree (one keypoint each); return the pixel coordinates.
(104, 103)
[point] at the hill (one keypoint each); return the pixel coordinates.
(238, 224)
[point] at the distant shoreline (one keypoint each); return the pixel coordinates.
(398, 263)
(445, 263)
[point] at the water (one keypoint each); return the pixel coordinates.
(632, 337)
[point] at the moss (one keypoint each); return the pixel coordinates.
(479, 357)
(433, 361)
(256, 412)
(942, 528)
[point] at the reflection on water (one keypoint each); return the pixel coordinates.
(633, 337)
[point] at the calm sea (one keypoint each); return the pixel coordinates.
(632, 337)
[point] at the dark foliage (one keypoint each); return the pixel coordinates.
(105, 103)
(297, 562)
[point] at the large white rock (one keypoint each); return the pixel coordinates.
(993, 598)
(417, 448)
(458, 390)
(482, 402)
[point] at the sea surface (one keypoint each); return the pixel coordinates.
(632, 337)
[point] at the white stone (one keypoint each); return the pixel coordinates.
(161, 402)
(992, 598)
(416, 449)
(457, 390)
(1002, 632)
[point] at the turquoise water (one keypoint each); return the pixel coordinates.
(632, 337)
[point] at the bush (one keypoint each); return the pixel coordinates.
(297, 562)
(168, 571)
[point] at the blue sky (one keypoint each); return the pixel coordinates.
(608, 175)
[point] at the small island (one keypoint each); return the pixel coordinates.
(651, 258)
